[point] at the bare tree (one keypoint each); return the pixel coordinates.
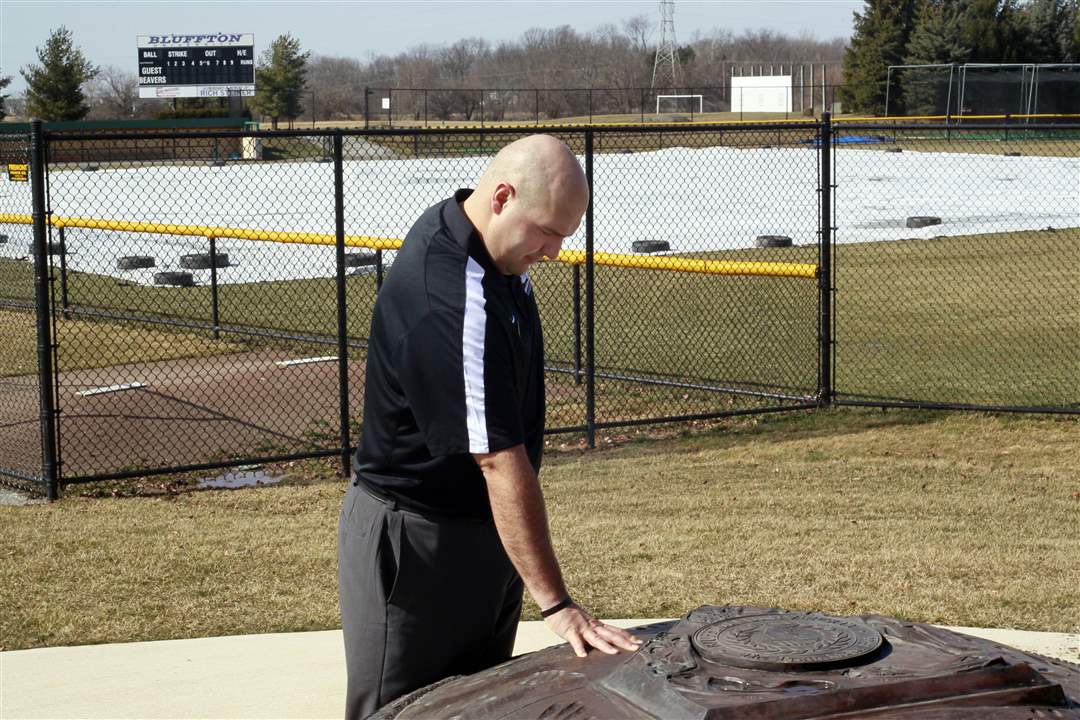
(114, 95)
(418, 68)
(638, 31)
(338, 84)
(549, 71)
(459, 63)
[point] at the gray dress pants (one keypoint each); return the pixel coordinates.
(421, 599)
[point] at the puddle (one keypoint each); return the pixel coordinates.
(240, 478)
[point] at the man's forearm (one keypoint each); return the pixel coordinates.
(517, 504)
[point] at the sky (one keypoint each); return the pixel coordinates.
(106, 30)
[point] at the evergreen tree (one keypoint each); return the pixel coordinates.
(881, 35)
(1076, 32)
(995, 31)
(1068, 37)
(998, 33)
(1011, 33)
(279, 79)
(4, 82)
(1076, 36)
(54, 88)
(1042, 20)
(937, 39)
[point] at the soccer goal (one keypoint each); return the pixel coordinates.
(679, 105)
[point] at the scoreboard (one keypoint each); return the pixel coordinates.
(215, 65)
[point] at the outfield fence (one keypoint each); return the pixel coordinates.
(163, 316)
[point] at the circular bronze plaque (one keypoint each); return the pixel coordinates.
(787, 641)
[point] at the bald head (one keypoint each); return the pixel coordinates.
(529, 198)
(542, 170)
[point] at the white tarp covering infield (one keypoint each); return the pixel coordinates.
(696, 199)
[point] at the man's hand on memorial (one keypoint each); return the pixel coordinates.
(583, 631)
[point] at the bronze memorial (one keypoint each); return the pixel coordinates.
(764, 664)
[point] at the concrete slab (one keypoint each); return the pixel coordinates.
(1064, 646)
(287, 675)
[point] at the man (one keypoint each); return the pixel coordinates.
(445, 518)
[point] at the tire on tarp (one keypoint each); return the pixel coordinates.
(135, 262)
(650, 246)
(361, 259)
(772, 241)
(201, 261)
(173, 278)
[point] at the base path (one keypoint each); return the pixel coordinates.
(190, 411)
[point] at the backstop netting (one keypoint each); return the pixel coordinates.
(977, 90)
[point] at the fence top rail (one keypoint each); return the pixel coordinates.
(495, 129)
(383, 88)
(953, 117)
(686, 126)
(963, 127)
(568, 257)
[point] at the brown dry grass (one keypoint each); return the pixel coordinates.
(89, 344)
(949, 518)
(955, 519)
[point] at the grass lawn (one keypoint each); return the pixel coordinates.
(980, 319)
(958, 519)
(89, 344)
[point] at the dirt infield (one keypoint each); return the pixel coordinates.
(188, 411)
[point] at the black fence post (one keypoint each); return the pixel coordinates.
(536, 101)
(577, 324)
(63, 272)
(342, 309)
(378, 270)
(590, 359)
(49, 469)
(367, 109)
(214, 320)
(825, 339)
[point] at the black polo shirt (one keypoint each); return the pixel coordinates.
(454, 367)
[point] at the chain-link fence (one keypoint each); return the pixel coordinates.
(210, 312)
(977, 92)
(20, 389)
(957, 266)
(746, 96)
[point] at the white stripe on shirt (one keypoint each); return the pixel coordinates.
(472, 355)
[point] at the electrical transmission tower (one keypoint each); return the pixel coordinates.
(665, 70)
